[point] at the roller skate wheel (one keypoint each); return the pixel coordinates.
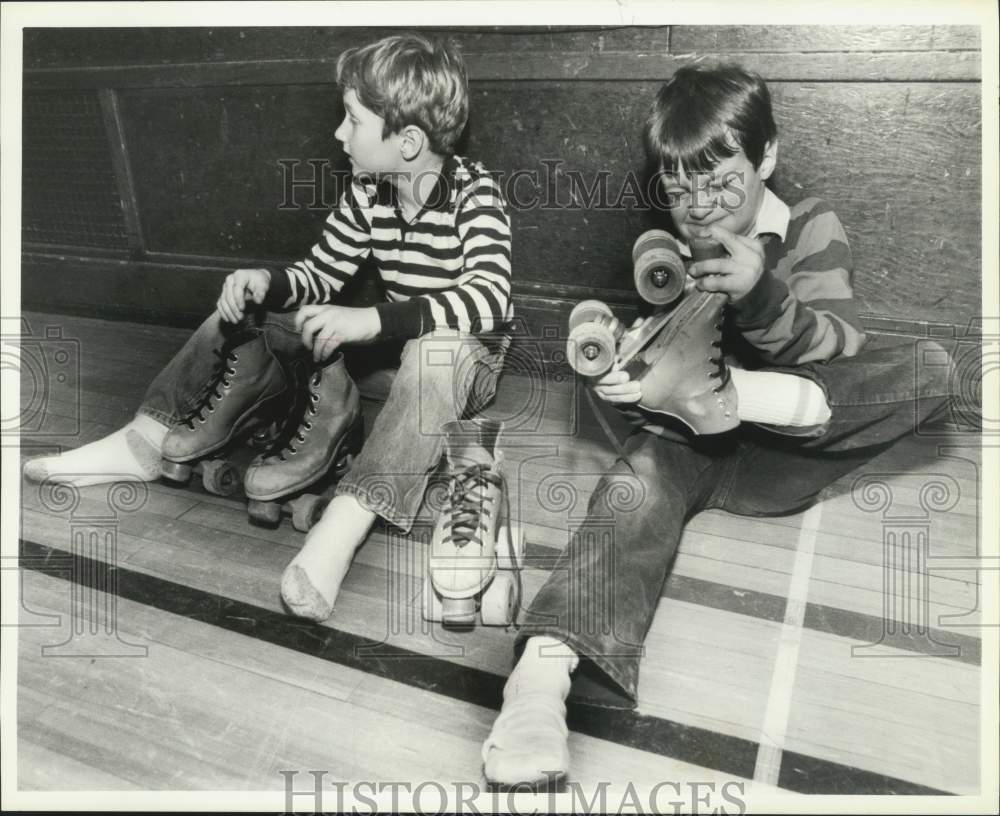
(458, 612)
(659, 284)
(175, 471)
(220, 477)
(658, 268)
(591, 349)
(497, 607)
(587, 311)
(267, 513)
(433, 609)
(306, 511)
(343, 466)
(510, 548)
(262, 438)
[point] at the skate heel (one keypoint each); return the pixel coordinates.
(218, 476)
(176, 471)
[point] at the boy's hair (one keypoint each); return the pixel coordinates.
(698, 113)
(410, 80)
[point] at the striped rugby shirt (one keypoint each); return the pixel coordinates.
(448, 267)
(802, 309)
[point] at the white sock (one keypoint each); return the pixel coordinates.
(777, 398)
(529, 742)
(311, 582)
(131, 453)
(545, 665)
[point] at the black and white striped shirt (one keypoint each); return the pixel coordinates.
(449, 267)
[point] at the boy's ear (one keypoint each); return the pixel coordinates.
(770, 159)
(412, 141)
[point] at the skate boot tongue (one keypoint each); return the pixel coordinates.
(241, 336)
(462, 455)
(471, 442)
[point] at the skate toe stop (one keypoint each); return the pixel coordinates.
(301, 597)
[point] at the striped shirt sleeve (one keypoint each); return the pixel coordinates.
(803, 309)
(333, 260)
(480, 300)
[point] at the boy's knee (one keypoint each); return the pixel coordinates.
(437, 361)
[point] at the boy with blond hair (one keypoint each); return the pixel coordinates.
(438, 232)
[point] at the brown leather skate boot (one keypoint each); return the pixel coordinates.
(330, 428)
(683, 372)
(247, 380)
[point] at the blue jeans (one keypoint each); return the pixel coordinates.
(440, 377)
(603, 591)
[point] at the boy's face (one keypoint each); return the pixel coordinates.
(361, 136)
(728, 195)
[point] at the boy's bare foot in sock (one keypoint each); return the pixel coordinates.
(311, 582)
(131, 453)
(528, 743)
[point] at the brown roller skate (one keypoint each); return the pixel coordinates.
(324, 439)
(240, 400)
(677, 352)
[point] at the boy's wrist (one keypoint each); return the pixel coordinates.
(404, 319)
(373, 323)
(279, 290)
(762, 304)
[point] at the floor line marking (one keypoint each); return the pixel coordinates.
(628, 727)
(779, 699)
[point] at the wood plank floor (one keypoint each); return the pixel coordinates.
(224, 703)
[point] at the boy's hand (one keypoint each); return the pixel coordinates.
(324, 328)
(637, 324)
(239, 287)
(735, 275)
(616, 386)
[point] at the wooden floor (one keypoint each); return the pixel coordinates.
(757, 665)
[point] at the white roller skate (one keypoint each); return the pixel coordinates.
(475, 552)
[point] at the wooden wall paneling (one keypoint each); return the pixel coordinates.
(208, 173)
(807, 38)
(121, 163)
(901, 166)
(876, 66)
(101, 47)
(96, 47)
(68, 192)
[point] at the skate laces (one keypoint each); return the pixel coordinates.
(468, 502)
(721, 372)
(218, 379)
(298, 436)
(467, 509)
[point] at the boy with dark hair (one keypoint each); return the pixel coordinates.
(437, 228)
(791, 369)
